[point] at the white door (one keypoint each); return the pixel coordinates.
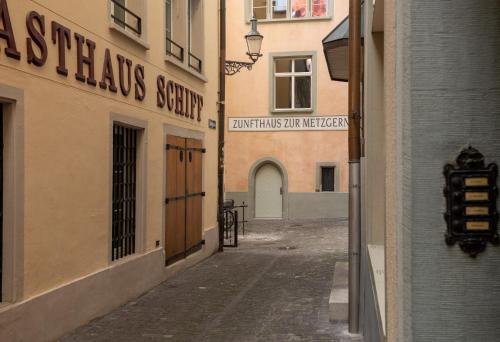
(268, 192)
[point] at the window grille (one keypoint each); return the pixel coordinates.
(195, 62)
(124, 191)
(174, 49)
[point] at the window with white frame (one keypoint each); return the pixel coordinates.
(292, 78)
(128, 14)
(289, 9)
(168, 20)
(195, 36)
(184, 32)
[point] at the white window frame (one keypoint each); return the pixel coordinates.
(116, 27)
(167, 29)
(185, 43)
(293, 75)
(124, 14)
(308, 16)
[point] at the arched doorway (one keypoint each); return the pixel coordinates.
(272, 189)
(268, 192)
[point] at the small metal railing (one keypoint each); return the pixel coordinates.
(232, 222)
(123, 21)
(243, 220)
(175, 50)
(195, 62)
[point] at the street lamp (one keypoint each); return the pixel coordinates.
(254, 44)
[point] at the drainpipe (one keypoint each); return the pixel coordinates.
(222, 98)
(354, 163)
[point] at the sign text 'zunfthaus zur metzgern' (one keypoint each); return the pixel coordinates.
(289, 123)
(177, 98)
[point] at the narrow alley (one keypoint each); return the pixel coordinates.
(274, 287)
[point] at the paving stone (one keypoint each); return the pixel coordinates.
(260, 291)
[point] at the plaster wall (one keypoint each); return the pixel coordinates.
(67, 142)
(248, 92)
(373, 311)
(454, 89)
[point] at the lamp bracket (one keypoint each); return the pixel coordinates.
(233, 67)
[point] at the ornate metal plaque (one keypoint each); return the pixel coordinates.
(471, 202)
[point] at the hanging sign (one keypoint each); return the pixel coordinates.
(289, 123)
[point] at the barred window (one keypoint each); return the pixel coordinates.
(124, 191)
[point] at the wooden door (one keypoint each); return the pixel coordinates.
(175, 216)
(194, 191)
(183, 216)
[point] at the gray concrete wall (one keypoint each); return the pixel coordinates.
(454, 101)
(304, 205)
(308, 205)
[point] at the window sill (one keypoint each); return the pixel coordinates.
(184, 67)
(292, 111)
(116, 28)
(289, 20)
(376, 254)
(126, 259)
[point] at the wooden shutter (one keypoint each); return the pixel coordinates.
(175, 216)
(184, 209)
(194, 192)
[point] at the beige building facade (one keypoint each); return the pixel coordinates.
(109, 165)
(286, 128)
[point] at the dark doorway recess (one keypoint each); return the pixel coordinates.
(328, 179)
(183, 216)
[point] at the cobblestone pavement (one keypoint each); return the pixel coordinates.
(274, 287)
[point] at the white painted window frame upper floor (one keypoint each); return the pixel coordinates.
(141, 11)
(249, 6)
(273, 75)
(179, 36)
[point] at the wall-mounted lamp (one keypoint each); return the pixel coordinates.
(254, 44)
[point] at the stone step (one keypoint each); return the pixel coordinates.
(339, 296)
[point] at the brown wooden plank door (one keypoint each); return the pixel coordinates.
(175, 216)
(194, 190)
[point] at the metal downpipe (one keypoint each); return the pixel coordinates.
(354, 162)
(221, 123)
(354, 245)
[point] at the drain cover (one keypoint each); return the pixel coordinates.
(287, 248)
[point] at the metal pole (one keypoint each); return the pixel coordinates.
(243, 217)
(222, 98)
(236, 228)
(354, 159)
